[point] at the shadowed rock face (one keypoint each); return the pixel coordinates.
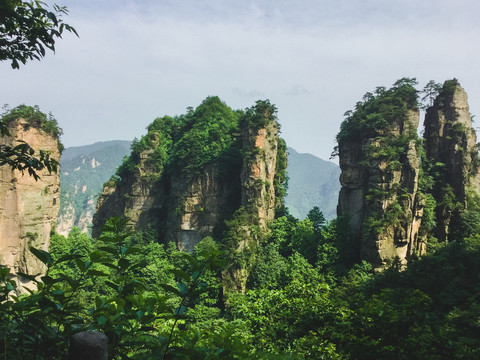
(379, 160)
(373, 188)
(135, 197)
(28, 208)
(380, 174)
(451, 144)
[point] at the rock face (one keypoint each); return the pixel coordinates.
(184, 202)
(380, 168)
(134, 197)
(258, 171)
(28, 208)
(391, 210)
(451, 146)
(195, 207)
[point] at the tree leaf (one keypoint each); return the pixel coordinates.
(42, 255)
(171, 289)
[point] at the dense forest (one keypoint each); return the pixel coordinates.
(308, 295)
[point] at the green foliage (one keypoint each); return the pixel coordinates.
(289, 244)
(449, 87)
(188, 142)
(379, 109)
(138, 323)
(287, 320)
(34, 117)
(430, 91)
(317, 219)
(280, 181)
(427, 311)
(165, 305)
(470, 216)
(259, 115)
(28, 28)
(241, 238)
(206, 133)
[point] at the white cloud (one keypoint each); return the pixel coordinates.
(138, 60)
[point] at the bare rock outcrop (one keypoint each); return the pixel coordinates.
(380, 167)
(259, 170)
(134, 197)
(28, 208)
(185, 202)
(451, 147)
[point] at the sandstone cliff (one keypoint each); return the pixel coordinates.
(190, 174)
(28, 208)
(379, 159)
(451, 147)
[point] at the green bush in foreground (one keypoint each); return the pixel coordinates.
(138, 324)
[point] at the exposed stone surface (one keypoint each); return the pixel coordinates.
(88, 346)
(379, 197)
(450, 139)
(186, 207)
(66, 221)
(196, 206)
(258, 172)
(28, 208)
(133, 197)
(257, 194)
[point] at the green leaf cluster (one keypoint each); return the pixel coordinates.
(28, 29)
(188, 142)
(139, 321)
(379, 109)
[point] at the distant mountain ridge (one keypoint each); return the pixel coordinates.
(83, 171)
(98, 149)
(312, 182)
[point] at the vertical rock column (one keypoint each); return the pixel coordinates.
(260, 150)
(451, 146)
(258, 171)
(28, 208)
(379, 192)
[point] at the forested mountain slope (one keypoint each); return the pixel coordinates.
(311, 182)
(83, 171)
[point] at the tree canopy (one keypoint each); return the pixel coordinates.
(28, 29)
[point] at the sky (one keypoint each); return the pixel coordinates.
(314, 59)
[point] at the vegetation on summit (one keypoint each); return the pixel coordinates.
(22, 157)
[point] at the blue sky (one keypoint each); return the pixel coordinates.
(136, 60)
